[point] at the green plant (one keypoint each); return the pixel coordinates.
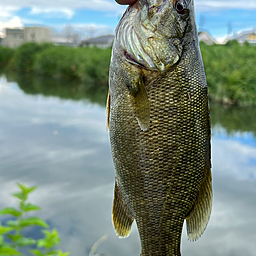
(12, 237)
(230, 69)
(23, 58)
(230, 72)
(5, 55)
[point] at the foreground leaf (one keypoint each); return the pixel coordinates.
(37, 252)
(20, 195)
(23, 241)
(11, 210)
(8, 251)
(33, 221)
(26, 190)
(4, 229)
(15, 237)
(50, 239)
(51, 252)
(30, 207)
(13, 223)
(60, 253)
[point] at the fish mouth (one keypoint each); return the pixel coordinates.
(133, 61)
(135, 4)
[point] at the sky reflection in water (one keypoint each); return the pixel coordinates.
(62, 147)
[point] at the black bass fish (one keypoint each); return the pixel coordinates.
(159, 126)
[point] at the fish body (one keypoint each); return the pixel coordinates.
(159, 126)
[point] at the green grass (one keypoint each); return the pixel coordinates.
(230, 69)
(6, 55)
(84, 64)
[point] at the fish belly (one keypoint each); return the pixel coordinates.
(159, 171)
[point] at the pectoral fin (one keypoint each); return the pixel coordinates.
(140, 103)
(198, 218)
(121, 216)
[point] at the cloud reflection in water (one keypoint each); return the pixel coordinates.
(62, 146)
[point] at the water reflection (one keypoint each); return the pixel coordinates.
(234, 118)
(53, 136)
(73, 90)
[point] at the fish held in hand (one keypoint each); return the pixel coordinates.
(159, 126)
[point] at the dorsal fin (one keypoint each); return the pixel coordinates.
(108, 109)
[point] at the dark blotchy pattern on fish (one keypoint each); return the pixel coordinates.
(163, 173)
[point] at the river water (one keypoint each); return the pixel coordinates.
(53, 135)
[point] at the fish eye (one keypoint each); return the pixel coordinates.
(180, 7)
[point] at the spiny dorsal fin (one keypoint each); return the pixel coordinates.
(108, 109)
(198, 218)
(121, 217)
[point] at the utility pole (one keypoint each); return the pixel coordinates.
(230, 29)
(201, 23)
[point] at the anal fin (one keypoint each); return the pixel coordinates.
(121, 217)
(198, 218)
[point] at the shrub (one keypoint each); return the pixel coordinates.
(85, 64)
(23, 59)
(230, 72)
(5, 55)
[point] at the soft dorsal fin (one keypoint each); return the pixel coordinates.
(198, 218)
(108, 109)
(121, 216)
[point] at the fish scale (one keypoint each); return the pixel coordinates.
(162, 161)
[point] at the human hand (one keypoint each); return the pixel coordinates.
(123, 2)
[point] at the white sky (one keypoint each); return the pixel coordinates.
(67, 9)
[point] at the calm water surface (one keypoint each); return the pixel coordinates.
(53, 135)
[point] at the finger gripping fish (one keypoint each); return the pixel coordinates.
(159, 126)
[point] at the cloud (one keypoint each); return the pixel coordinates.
(7, 11)
(39, 11)
(99, 5)
(8, 18)
(48, 11)
(14, 22)
(92, 29)
(111, 6)
(245, 155)
(75, 176)
(52, 12)
(202, 5)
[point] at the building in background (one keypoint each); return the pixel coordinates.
(100, 41)
(246, 36)
(16, 37)
(72, 40)
(37, 34)
(203, 36)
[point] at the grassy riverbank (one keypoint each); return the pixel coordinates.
(88, 65)
(230, 68)
(230, 71)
